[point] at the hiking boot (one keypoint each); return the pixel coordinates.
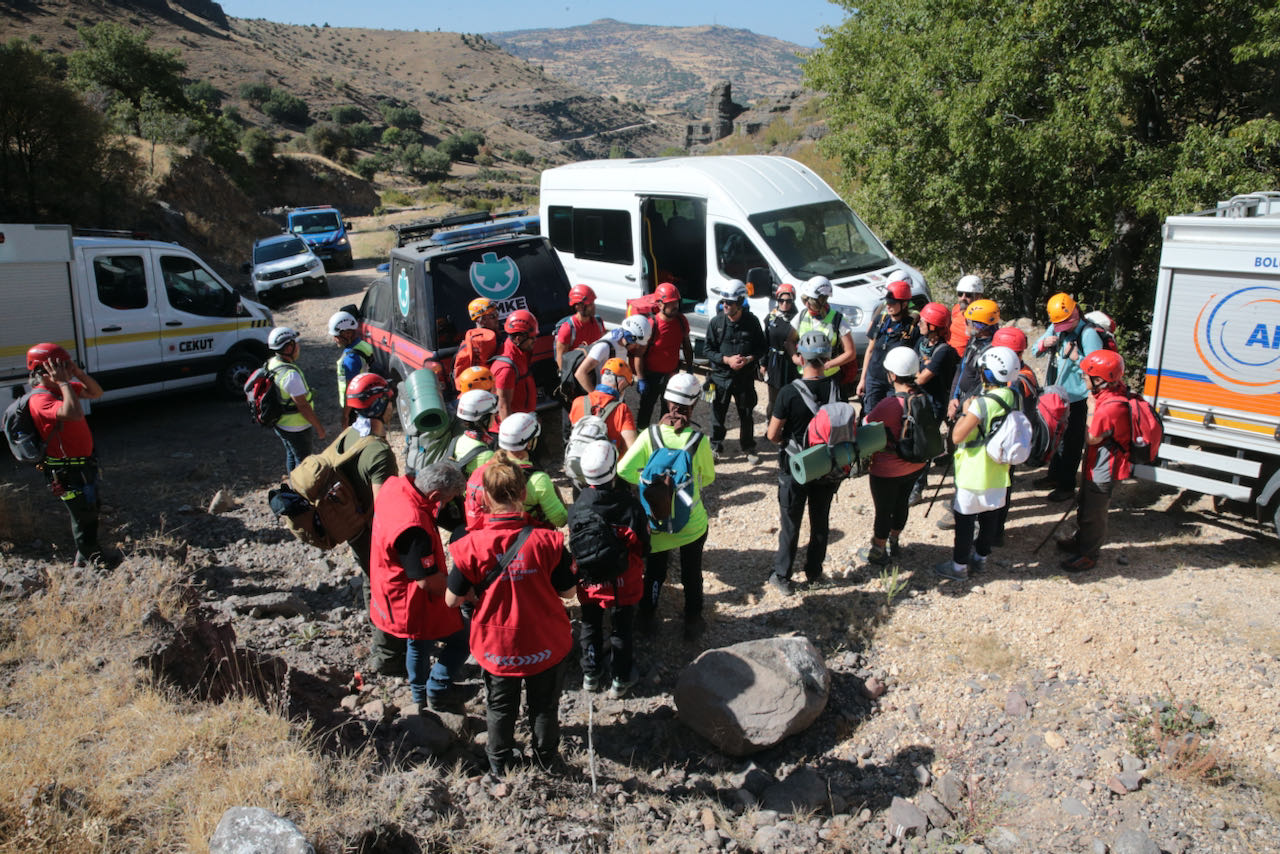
(874, 554)
(99, 561)
(948, 569)
(1062, 493)
(1079, 563)
(717, 454)
(621, 687)
(591, 682)
(448, 701)
(916, 496)
(977, 563)
(694, 627)
(895, 549)
(781, 584)
(753, 458)
(947, 522)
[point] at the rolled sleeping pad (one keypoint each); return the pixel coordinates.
(810, 464)
(426, 403)
(871, 438)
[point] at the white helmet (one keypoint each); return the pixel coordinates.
(281, 337)
(342, 321)
(683, 388)
(597, 462)
(818, 286)
(902, 362)
(1001, 363)
(969, 284)
(518, 431)
(638, 327)
(733, 291)
(476, 404)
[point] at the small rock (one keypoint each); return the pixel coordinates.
(222, 503)
(950, 791)
(766, 818)
(923, 777)
(1131, 763)
(1115, 785)
(1131, 780)
(256, 829)
(1098, 847)
(904, 819)
(1134, 842)
(708, 819)
(1054, 740)
(874, 688)
(765, 839)
(1217, 822)
(501, 790)
(712, 839)
(1073, 806)
(938, 815)
(375, 709)
(349, 702)
(1015, 705)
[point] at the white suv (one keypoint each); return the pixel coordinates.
(285, 263)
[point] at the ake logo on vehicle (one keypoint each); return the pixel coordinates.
(1237, 337)
(495, 278)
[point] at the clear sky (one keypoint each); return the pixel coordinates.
(796, 21)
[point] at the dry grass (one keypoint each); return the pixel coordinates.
(18, 519)
(94, 755)
(986, 653)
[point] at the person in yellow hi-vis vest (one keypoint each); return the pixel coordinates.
(819, 315)
(299, 418)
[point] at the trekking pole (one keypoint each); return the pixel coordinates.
(950, 462)
(591, 747)
(1073, 506)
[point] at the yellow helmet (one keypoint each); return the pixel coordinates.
(1060, 307)
(983, 311)
(479, 307)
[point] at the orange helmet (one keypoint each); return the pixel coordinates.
(936, 314)
(480, 307)
(475, 377)
(620, 369)
(581, 294)
(1060, 307)
(1010, 336)
(667, 292)
(983, 311)
(1106, 365)
(46, 352)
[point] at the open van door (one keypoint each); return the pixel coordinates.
(673, 237)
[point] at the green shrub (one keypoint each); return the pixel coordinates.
(406, 118)
(394, 137)
(425, 164)
(346, 114)
(368, 167)
(205, 93)
(286, 108)
(255, 93)
(462, 146)
(399, 198)
(520, 157)
(326, 138)
(259, 147)
(363, 134)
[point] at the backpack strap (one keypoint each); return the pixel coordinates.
(981, 438)
(692, 445)
(504, 561)
(655, 438)
(806, 395)
(605, 411)
(469, 457)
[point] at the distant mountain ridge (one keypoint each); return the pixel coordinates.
(672, 67)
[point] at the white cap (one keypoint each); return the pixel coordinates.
(280, 337)
(818, 286)
(902, 362)
(683, 388)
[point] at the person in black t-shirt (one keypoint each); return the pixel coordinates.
(896, 327)
(938, 362)
(788, 423)
(735, 347)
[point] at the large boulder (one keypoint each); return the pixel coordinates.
(750, 696)
(253, 830)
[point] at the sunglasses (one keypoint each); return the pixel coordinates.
(786, 299)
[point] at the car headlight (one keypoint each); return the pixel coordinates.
(342, 241)
(316, 262)
(855, 315)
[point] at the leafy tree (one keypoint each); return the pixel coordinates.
(346, 114)
(394, 137)
(326, 139)
(256, 94)
(362, 134)
(520, 157)
(116, 59)
(259, 146)
(286, 108)
(157, 123)
(406, 118)
(461, 146)
(204, 94)
(423, 163)
(57, 160)
(368, 167)
(1043, 141)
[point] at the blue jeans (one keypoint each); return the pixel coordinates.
(297, 445)
(450, 656)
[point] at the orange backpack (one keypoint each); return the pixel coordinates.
(477, 348)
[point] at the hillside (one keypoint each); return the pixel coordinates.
(673, 67)
(457, 82)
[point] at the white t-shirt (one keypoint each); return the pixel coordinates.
(606, 349)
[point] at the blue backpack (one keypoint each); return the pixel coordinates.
(667, 490)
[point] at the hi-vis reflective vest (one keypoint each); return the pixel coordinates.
(291, 417)
(827, 326)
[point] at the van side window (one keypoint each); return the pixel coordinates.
(560, 227)
(735, 253)
(602, 235)
(193, 289)
(121, 281)
(376, 307)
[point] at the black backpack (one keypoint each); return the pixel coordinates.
(568, 390)
(920, 440)
(25, 442)
(597, 546)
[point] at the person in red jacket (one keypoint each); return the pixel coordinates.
(607, 502)
(662, 360)
(520, 633)
(1106, 457)
(407, 580)
(580, 328)
(70, 466)
(968, 289)
(512, 369)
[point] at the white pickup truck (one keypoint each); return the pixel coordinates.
(1213, 367)
(142, 316)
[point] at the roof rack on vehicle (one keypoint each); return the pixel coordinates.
(414, 231)
(125, 233)
(1248, 204)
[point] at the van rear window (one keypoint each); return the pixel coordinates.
(524, 274)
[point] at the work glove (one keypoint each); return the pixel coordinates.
(642, 385)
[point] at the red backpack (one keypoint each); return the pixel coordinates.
(1147, 431)
(477, 348)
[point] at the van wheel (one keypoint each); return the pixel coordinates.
(235, 373)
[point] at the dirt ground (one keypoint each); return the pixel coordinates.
(1183, 608)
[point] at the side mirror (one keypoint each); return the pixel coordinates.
(760, 282)
(346, 226)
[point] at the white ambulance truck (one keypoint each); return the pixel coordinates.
(1213, 367)
(625, 226)
(142, 316)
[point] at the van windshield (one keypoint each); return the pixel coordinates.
(315, 223)
(824, 239)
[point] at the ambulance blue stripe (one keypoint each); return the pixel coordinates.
(1179, 375)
